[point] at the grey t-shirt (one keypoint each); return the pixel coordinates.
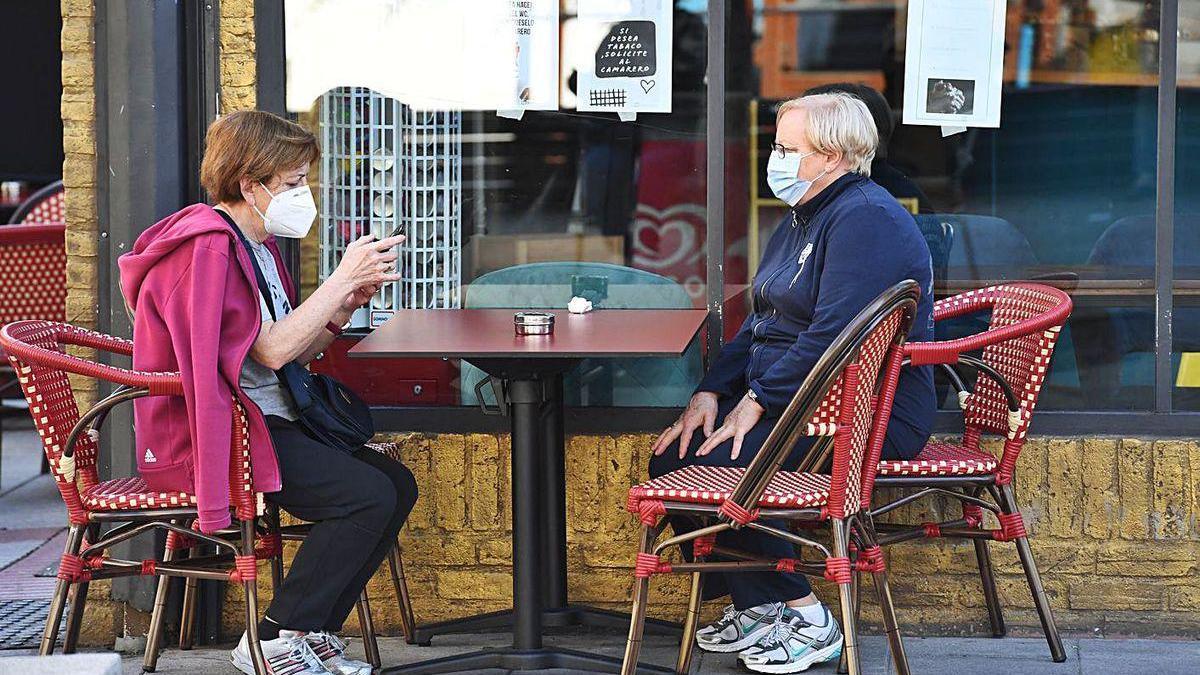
(258, 381)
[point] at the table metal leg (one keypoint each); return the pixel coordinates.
(525, 398)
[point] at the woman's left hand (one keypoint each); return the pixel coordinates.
(359, 298)
(737, 423)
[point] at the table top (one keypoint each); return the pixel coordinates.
(489, 333)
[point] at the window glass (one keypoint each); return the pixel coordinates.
(1061, 192)
(1185, 361)
(526, 214)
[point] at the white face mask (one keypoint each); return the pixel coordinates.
(782, 176)
(291, 213)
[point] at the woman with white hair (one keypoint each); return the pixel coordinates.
(845, 241)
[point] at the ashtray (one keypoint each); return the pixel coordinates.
(533, 323)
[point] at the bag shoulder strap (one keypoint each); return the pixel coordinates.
(258, 273)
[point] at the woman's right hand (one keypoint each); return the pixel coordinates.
(368, 262)
(701, 413)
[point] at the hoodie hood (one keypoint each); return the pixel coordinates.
(167, 235)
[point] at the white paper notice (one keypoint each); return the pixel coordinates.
(535, 57)
(629, 71)
(954, 63)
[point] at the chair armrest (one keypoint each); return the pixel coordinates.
(156, 383)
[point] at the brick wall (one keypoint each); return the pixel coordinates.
(1113, 521)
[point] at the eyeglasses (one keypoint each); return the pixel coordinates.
(781, 150)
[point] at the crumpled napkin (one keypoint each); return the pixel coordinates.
(579, 305)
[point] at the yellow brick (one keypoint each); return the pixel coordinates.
(484, 451)
(474, 585)
(438, 551)
(583, 498)
(1171, 512)
(1143, 559)
(1101, 501)
(1013, 590)
(76, 32)
(1065, 486)
(1133, 479)
(1098, 594)
(238, 72)
(81, 243)
(416, 456)
(81, 167)
(449, 461)
(1051, 556)
(495, 551)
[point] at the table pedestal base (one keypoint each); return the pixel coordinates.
(565, 617)
(515, 661)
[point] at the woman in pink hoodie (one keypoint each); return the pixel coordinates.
(198, 310)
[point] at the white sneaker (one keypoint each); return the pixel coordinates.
(737, 630)
(793, 644)
(331, 649)
(289, 654)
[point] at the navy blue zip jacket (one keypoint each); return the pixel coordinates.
(830, 258)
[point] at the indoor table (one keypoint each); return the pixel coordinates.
(530, 369)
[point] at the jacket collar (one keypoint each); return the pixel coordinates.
(804, 213)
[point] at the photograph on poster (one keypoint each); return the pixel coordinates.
(950, 96)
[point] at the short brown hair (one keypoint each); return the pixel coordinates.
(254, 144)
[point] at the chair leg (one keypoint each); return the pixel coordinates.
(396, 564)
(78, 598)
(637, 618)
(855, 584)
(58, 602)
(154, 636)
(991, 598)
(370, 644)
(687, 645)
(841, 549)
(884, 592)
(187, 622)
(250, 586)
(1008, 502)
(273, 523)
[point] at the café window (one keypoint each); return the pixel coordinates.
(529, 212)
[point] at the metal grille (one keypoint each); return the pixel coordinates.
(388, 167)
(22, 623)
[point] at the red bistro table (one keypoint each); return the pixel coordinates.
(531, 370)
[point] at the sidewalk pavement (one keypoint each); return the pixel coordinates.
(927, 656)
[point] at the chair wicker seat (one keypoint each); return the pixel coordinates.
(713, 485)
(942, 459)
(128, 494)
(389, 450)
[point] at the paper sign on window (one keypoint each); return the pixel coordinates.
(630, 68)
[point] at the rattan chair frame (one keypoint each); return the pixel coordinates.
(854, 542)
(994, 492)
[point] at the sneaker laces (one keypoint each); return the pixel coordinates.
(301, 654)
(337, 643)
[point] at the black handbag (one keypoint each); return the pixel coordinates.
(329, 411)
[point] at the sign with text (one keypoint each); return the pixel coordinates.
(631, 69)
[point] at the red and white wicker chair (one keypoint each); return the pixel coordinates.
(47, 205)
(33, 285)
(1016, 348)
(36, 351)
(846, 398)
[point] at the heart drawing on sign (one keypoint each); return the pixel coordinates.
(647, 85)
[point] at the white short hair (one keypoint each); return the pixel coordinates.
(838, 123)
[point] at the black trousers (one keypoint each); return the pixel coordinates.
(357, 503)
(747, 589)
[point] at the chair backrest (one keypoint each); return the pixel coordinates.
(47, 205)
(33, 273)
(1028, 317)
(844, 396)
(36, 350)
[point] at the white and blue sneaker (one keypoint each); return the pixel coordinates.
(792, 645)
(331, 649)
(737, 630)
(289, 654)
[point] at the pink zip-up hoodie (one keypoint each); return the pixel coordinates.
(191, 286)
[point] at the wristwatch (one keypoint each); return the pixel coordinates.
(752, 395)
(336, 329)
